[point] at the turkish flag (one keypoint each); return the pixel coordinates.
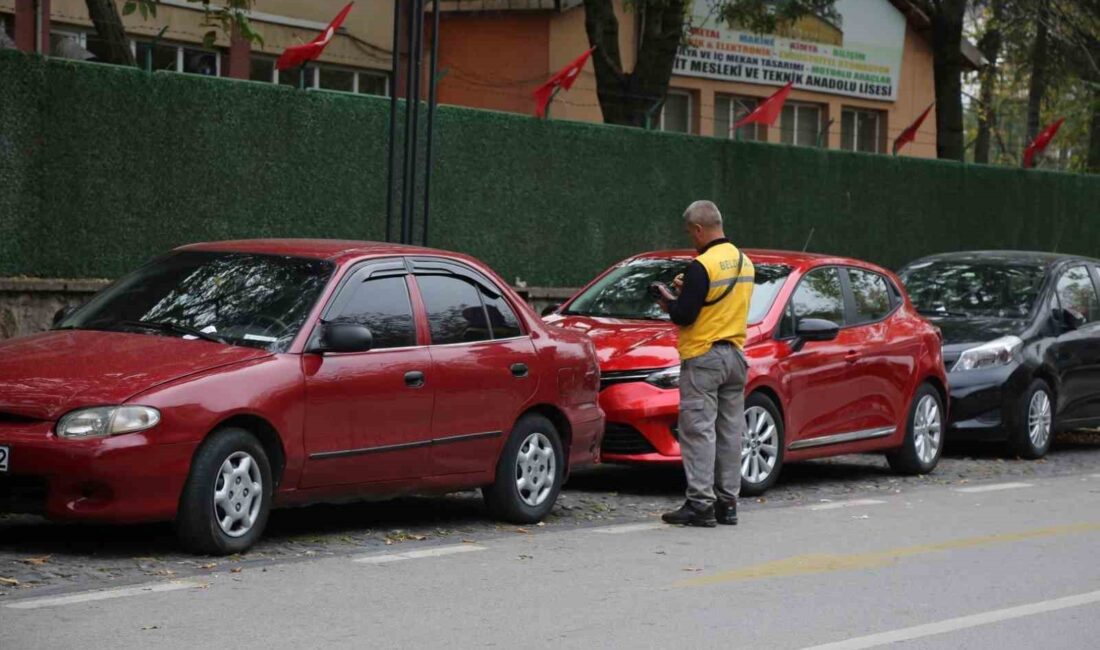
(910, 132)
(768, 110)
(563, 79)
(1041, 141)
(296, 55)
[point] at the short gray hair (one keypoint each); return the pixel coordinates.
(703, 213)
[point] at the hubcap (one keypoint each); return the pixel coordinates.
(927, 429)
(238, 494)
(535, 469)
(1039, 419)
(759, 445)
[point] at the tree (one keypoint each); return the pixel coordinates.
(990, 46)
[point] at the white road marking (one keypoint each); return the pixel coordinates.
(628, 528)
(961, 623)
(107, 594)
(413, 555)
(836, 505)
(996, 487)
(1095, 475)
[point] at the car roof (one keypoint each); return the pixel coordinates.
(767, 256)
(1003, 257)
(323, 249)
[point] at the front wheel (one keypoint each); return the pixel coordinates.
(529, 473)
(1032, 431)
(923, 443)
(761, 445)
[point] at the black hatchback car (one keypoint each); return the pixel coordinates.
(1021, 342)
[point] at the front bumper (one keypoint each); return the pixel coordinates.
(982, 402)
(641, 423)
(126, 478)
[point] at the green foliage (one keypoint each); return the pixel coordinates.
(225, 17)
(768, 16)
(103, 167)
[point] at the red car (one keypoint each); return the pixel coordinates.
(840, 363)
(225, 378)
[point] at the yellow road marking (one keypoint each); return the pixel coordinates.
(826, 563)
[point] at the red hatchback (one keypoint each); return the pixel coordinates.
(839, 360)
(225, 378)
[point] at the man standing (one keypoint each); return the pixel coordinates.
(711, 310)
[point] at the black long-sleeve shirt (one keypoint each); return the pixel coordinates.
(685, 309)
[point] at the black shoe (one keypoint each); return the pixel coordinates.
(691, 515)
(726, 512)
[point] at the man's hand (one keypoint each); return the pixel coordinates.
(678, 283)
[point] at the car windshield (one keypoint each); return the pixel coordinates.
(623, 293)
(974, 289)
(243, 299)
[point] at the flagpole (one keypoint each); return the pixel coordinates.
(394, 72)
(412, 99)
(302, 76)
(430, 126)
(546, 113)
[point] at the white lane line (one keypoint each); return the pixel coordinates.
(996, 487)
(628, 528)
(854, 503)
(1095, 475)
(961, 623)
(413, 555)
(107, 594)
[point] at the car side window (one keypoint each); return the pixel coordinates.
(455, 311)
(1076, 292)
(819, 296)
(502, 319)
(872, 295)
(383, 305)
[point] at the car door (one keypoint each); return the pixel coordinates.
(885, 352)
(1076, 352)
(821, 378)
(483, 363)
(369, 414)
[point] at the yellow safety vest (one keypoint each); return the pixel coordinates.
(725, 312)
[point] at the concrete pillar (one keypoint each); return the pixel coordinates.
(238, 60)
(28, 14)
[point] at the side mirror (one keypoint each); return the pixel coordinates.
(1069, 319)
(343, 337)
(62, 314)
(813, 329)
(551, 309)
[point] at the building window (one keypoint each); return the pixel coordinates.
(200, 62)
(323, 76)
(374, 84)
(676, 112)
(177, 58)
(728, 110)
(863, 130)
(801, 124)
(262, 69)
(7, 25)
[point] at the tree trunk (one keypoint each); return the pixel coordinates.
(108, 24)
(1040, 56)
(947, 29)
(990, 46)
(628, 98)
(1094, 133)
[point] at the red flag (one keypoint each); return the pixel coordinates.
(296, 55)
(768, 110)
(1041, 141)
(563, 79)
(910, 132)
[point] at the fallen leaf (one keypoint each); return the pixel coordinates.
(235, 569)
(691, 568)
(150, 627)
(526, 557)
(208, 566)
(37, 561)
(469, 541)
(523, 530)
(9, 581)
(541, 524)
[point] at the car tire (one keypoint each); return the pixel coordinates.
(925, 427)
(762, 445)
(1032, 429)
(218, 512)
(529, 473)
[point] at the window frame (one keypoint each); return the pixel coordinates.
(788, 308)
(880, 130)
(431, 265)
(1091, 272)
(760, 131)
(180, 47)
(679, 92)
(822, 115)
(361, 272)
(850, 295)
(847, 298)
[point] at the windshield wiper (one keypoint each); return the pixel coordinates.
(172, 328)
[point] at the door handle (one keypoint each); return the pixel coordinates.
(851, 356)
(414, 379)
(519, 370)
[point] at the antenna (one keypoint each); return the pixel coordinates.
(808, 238)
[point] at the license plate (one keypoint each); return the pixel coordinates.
(5, 454)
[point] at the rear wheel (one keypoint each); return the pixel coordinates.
(529, 473)
(1033, 428)
(761, 445)
(227, 497)
(923, 443)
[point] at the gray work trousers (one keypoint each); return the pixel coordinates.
(712, 421)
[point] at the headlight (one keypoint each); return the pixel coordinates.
(107, 421)
(667, 378)
(999, 352)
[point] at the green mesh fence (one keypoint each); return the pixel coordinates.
(103, 167)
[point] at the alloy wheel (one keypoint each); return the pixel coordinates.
(535, 469)
(927, 429)
(1039, 419)
(759, 445)
(238, 494)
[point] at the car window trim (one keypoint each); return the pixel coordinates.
(842, 270)
(491, 339)
(386, 267)
(1090, 272)
(479, 279)
(790, 299)
(895, 303)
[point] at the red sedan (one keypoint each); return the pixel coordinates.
(225, 378)
(840, 363)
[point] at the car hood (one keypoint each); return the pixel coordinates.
(959, 331)
(46, 375)
(623, 345)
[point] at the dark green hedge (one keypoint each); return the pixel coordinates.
(102, 167)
